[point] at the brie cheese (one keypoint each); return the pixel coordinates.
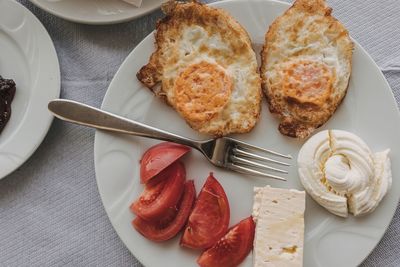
(279, 216)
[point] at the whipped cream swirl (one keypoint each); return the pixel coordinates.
(342, 174)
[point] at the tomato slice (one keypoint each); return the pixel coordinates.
(209, 219)
(160, 194)
(159, 157)
(231, 249)
(173, 222)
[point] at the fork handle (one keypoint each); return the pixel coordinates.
(86, 115)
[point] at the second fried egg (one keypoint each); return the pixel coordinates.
(306, 66)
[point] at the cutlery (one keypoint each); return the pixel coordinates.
(223, 152)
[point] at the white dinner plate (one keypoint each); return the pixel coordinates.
(27, 56)
(97, 11)
(369, 110)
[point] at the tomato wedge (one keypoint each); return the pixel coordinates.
(209, 219)
(231, 249)
(159, 157)
(168, 227)
(160, 194)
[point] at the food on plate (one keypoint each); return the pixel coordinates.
(209, 219)
(169, 225)
(279, 216)
(159, 157)
(7, 92)
(232, 248)
(306, 66)
(161, 193)
(206, 69)
(342, 174)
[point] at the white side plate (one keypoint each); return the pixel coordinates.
(369, 110)
(97, 11)
(27, 56)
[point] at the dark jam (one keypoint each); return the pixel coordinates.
(7, 92)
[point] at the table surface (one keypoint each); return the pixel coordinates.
(50, 209)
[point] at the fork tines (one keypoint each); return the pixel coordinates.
(245, 160)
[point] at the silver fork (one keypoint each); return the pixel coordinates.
(223, 152)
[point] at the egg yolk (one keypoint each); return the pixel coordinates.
(307, 81)
(201, 91)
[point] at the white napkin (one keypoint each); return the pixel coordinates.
(136, 3)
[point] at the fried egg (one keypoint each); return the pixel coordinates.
(306, 66)
(207, 69)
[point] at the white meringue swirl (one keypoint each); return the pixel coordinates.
(342, 174)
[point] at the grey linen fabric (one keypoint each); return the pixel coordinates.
(50, 210)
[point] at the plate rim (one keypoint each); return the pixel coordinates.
(54, 91)
(217, 4)
(94, 22)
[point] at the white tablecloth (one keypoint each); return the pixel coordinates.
(50, 209)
